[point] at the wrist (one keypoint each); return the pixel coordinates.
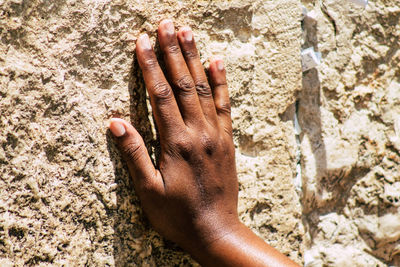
(214, 252)
(209, 231)
(239, 246)
(207, 249)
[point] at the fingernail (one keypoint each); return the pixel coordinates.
(187, 34)
(168, 26)
(117, 128)
(144, 42)
(220, 65)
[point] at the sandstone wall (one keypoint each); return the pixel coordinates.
(66, 67)
(326, 197)
(350, 115)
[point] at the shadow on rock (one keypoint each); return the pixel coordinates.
(135, 243)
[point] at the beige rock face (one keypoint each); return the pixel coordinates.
(66, 67)
(349, 112)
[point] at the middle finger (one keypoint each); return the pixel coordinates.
(178, 72)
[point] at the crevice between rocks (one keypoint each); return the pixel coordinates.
(297, 131)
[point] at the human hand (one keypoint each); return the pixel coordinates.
(191, 197)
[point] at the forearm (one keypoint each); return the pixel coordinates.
(241, 248)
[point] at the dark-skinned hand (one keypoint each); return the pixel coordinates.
(191, 197)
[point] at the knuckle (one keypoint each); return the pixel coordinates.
(173, 49)
(224, 107)
(184, 146)
(223, 83)
(133, 150)
(190, 54)
(150, 63)
(185, 83)
(203, 89)
(209, 143)
(181, 147)
(161, 90)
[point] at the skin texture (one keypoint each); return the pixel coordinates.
(191, 197)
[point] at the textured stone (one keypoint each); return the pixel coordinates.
(349, 112)
(66, 67)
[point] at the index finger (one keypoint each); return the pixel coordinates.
(166, 112)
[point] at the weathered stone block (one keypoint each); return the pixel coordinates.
(66, 67)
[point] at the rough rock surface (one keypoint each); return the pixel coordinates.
(66, 67)
(349, 111)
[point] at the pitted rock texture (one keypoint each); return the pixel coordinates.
(66, 67)
(349, 112)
